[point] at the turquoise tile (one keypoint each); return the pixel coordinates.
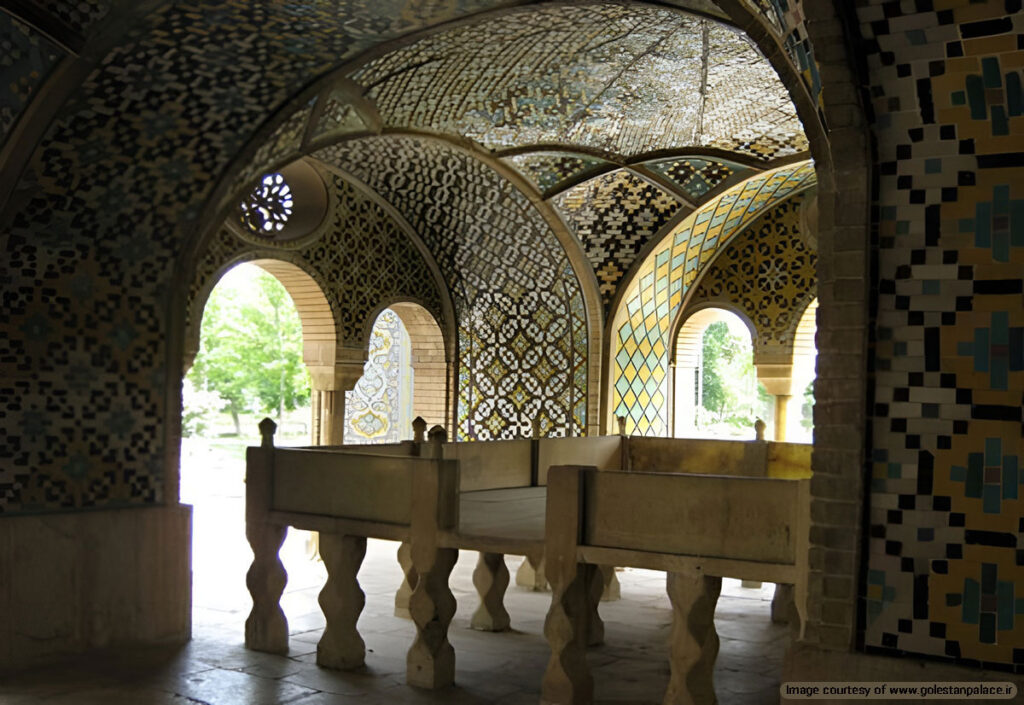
(957, 473)
(1001, 197)
(987, 628)
(959, 98)
(917, 37)
(933, 166)
(1000, 123)
(990, 73)
(1014, 94)
(976, 97)
(981, 349)
(990, 499)
(972, 596)
(894, 471)
(1017, 223)
(876, 577)
(993, 452)
(1004, 602)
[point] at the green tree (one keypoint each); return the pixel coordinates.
(726, 373)
(250, 350)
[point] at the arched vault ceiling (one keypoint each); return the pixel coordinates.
(522, 325)
(620, 79)
(484, 233)
(652, 299)
(614, 216)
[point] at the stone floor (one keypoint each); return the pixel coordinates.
(506, 669)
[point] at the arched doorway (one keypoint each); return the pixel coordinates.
(715, 391)
(264, 327)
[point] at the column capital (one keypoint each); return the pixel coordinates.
(340, 377)
(776, 378)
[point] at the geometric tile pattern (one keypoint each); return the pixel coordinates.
(521, 320)
(656, 291)
(78, 15)
(768, 273)
(112, 190)
(26, 58)
(696, 176)
(360, 258)
(614, 216)
(548, 169)
(786, 19)
(742, 110)
(946, 498)
(574, 74)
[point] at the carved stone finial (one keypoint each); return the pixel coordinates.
(267, 429)
(419, 429)
(621, 421)
(535, 426)
(759, 427)
(438, 435)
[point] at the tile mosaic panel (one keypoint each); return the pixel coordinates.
(78, 15)
(625, 79)
(118, 180)
(614, 216)
(26, 58)
(546, 170)
(379, 408)
(522, 330)
(697, 176)
(786, 19)
(946, 495)
(743, 110)
(767, 272)
(651, 303)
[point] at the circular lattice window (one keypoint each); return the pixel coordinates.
(283, 206)
(269, 207)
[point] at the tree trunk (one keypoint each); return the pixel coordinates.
(238, 424)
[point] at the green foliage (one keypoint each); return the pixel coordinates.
(807, 408)
(198, 405)
(250, 350)
(727, 377)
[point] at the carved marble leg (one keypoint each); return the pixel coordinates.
(694, 639)
(567, 680)
(531, 573)
(595, 592)
(491, 579)
(431, 659)
(342, 601)
(783, 604)
(408, 581)
(266, 628)
(612, 589)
